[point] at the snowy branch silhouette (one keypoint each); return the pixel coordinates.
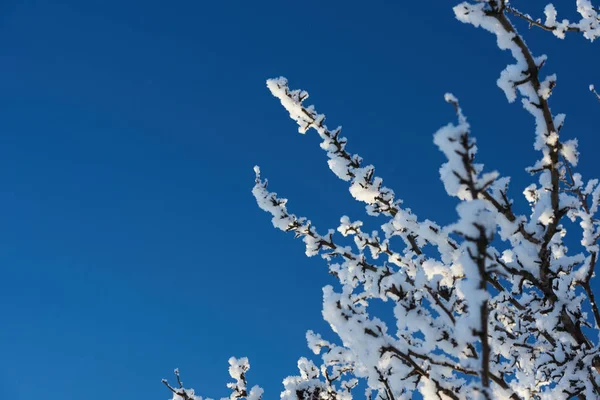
(504, 310)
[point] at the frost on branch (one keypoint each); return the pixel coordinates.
(237, 369)
(593, 90)
(179, 392)
(496, 305)
(588, 24)
(239, 389)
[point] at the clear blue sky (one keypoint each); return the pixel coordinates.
(130, 243)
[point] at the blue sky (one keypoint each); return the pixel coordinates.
(130, 243)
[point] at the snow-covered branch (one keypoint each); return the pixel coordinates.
(588, 25)
(364, 185)
(593, 90)
(238, 367)
(502, 308)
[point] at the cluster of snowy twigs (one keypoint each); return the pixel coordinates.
(504, 311)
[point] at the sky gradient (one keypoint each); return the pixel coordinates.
(130, 243)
